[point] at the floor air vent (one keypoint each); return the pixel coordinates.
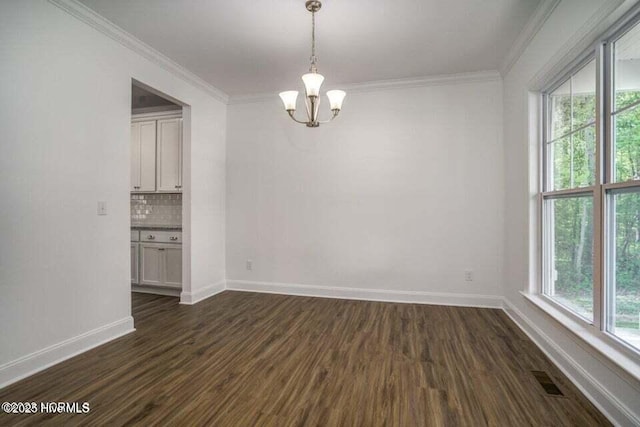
(547, 383)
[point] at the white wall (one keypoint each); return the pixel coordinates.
(402, 192)
(567, 28)
(64, 125)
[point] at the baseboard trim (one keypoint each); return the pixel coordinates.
(601, 398)
(409, 297)
(40, 360)
(190, 298)
(155, 290)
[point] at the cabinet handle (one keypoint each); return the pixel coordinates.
(161, 249)
(173, 238)
(151, 237)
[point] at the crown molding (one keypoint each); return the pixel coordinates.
(108, 28)
(533, 25)
(578, 43)
(439, 80)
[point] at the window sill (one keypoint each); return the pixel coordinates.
(606, 345)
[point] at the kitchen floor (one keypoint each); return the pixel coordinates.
(261, 359)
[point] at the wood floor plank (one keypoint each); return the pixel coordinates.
(245, 359)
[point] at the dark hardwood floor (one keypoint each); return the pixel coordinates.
(244, 359)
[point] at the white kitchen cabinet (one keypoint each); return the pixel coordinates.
(134, 263)
(151, 264)
(143, 156)
(161, 265)
(173, 266)
(156, 236)
(169, 155)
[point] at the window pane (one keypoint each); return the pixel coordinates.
(627, 69)
(624, 268)
(560, 109)
(627, 145)
(583, 96)
(572, 160)
(559, 160)
(569, 253)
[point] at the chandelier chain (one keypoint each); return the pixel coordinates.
(314, 59)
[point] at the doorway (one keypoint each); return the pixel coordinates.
(157, 190)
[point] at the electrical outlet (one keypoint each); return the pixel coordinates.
(468, 275)
(102, 208)
(249, 264)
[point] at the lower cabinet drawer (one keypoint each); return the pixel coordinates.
(161, 236)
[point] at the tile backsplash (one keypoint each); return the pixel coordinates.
(156, 209)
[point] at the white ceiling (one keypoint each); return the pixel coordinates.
(246, 47)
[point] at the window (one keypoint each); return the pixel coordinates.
(570, 153)
(590, 198)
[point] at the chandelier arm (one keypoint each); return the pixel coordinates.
(333, 116)
(291, 114)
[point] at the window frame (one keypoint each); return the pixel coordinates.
(603, 185)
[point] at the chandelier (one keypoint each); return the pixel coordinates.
(312, 82)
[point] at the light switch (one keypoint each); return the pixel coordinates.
(102, 208)
(468, 275)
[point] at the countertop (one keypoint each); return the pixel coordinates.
(157, 227)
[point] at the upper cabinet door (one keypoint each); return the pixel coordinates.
(147, 156)
(135, 156)
(169, 155)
